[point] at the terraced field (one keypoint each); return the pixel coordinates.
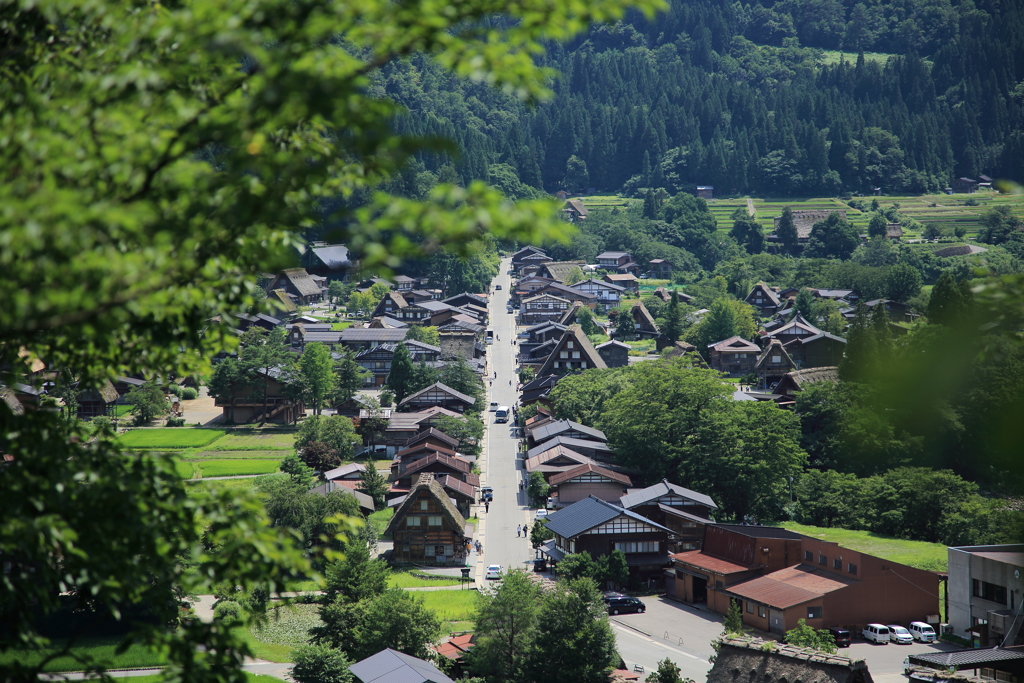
(948, 211)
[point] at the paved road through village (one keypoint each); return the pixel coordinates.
(501, 469)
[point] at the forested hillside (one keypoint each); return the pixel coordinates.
(745, 97)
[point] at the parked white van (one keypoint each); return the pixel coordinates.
(922, 631)
(877, 633)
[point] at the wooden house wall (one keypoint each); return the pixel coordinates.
(821, 353)
(573, 491)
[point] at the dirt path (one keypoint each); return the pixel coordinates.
(750, 206)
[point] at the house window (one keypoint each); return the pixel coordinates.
(423, 505)
(809, 556)
(439, 550)
(412, 522)
(776, 359)
(814, 612)
(563, 354)
(762, 612)
(719, 585)
(822, 560)
(692, 545)
(852, 568)
(638, 546)
(750, 607)
(575, 354)
(434, 520)
(837, 563)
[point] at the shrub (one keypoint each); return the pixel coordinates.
(228, 611)
(189, 394)
(174, 389)
(175, 422)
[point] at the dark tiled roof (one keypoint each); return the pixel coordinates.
(735, 344)
(588, 513)
(444, 388)
(390, 666)
(333, 255)
(662, 488)
(762, 531)
(585, 469)
(366, 334)
(967, 659)
(553, 429)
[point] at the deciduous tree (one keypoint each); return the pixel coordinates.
(574, 640)
(335, 431)
(147, 402)
(506, 627)
(320, 664)
(812, 638)
(316, 369)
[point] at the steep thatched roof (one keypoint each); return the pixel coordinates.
(426, 483)
(751, 660)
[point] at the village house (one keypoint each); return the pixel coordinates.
(734, 355)
(898, 312)
(796, 328)
(551, 429)
(614, 353)
(427, 528)
(297, 284)
(538, 391)
(410, 454)
(404, 283)
(556, 460)
(773, 662)
(559, 270)
(363, 338)
(541, 308)
(763, 298)
(804, 222)
(533, 263)
(819, 350)
(600, 527)
(575, 211)
(391, 305)
(332, 261)
(587, 480)
(248, 403)
(391, 666)
(618, 261)
(438, 465)
(659, 269)
(626, 280)
(404, 426)
(683, 511)
(94, 402)
(377, 361)
(438, 395)
(644, 321)
(595, 450)
(570, 294)
(366, 506)
(529, 250)
(705, 192)
(773, 364)
(965, 185)
(607, 294)
(797, 380)
(571, 353)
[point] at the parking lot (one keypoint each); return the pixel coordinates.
(684, 634)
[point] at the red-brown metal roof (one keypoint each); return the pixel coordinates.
(790, 586)
(697, 558)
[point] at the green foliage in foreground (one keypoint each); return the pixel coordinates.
(170, 438)
(815, 639)
(101, 649)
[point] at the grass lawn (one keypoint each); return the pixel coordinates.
(200, 485)
(451, 607)
(380, 519)
(228, 468)
(255, 441)
(170, 438)
(338, 327)
(184, 469)
(919, 554)
(101, 649)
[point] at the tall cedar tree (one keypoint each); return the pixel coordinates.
(374, 484)
(265, 356)
(349, 377)
(400, 378)
(625, 325)
(673, 326)
(787, 233)
(858, 362)
(947, 305)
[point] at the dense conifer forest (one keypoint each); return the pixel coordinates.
(747, 97)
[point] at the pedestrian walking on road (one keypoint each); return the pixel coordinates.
(526, 531)
(510, 382)
(519, 530)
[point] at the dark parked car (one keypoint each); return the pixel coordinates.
(841, 635)
(625, 604)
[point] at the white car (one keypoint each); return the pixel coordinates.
(493, 572)
(898, 634)
(542, 514)
(922, 631)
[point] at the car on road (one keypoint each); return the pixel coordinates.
(494, 406)
(841, 636)
(486, 493)
(898, 634)
(624, 604)
(494, 571)
(876, 633)
(542, 514)
(497, 288)
(922, 631)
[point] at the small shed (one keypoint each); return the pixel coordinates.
(705, 192)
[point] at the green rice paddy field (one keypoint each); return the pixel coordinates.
(202, 453)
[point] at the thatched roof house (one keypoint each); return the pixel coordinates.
(752, 660)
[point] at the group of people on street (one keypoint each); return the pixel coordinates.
(523, 531)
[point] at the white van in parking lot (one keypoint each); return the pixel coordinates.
(877, 633)
(922, 631)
